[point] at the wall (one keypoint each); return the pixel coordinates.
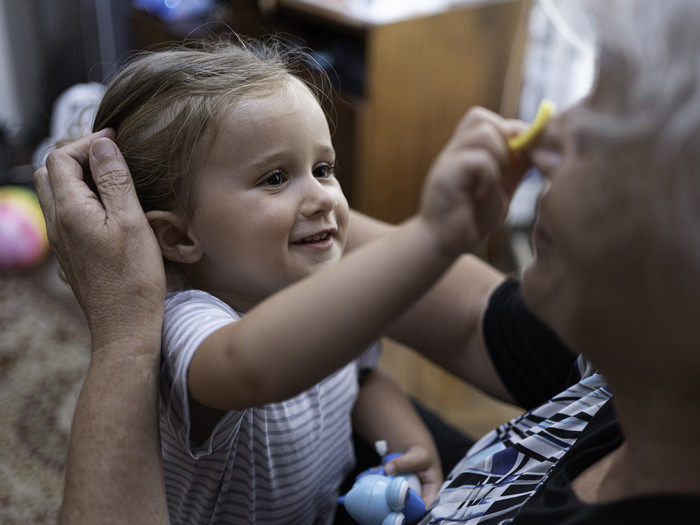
(20, 66)
(41, 54)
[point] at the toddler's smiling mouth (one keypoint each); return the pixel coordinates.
(319, 237)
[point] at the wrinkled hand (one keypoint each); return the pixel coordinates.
(471, 182)
(426, 466)
(102, 241)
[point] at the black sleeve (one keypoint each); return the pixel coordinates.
(531, 360)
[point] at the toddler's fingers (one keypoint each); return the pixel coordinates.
(430, 491)
(484, 129)
(417, 458)
(477, 115)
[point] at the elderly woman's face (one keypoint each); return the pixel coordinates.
(587, 236)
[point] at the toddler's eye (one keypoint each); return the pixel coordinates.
(325, 170)
(274, 179)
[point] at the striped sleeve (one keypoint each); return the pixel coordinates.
(190, 317)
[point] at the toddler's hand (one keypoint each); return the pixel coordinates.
(422, 463)
(472, 180)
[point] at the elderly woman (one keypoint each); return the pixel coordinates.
(598, 342)
(615, 278)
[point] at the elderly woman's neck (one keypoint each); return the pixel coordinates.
(660, 453)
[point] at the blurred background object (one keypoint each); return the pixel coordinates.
(23, 241)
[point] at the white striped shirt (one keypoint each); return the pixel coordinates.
(277, 463)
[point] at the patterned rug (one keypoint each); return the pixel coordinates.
(44, 352)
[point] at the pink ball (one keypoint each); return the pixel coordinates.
(23, 241)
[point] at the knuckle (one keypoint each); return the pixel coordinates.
(113, 180)
(113, 177)
(40, 174)
(52, 159)
(474, 115)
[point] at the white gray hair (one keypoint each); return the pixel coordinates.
(649, 50)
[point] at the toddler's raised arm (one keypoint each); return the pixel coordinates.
(327, 319)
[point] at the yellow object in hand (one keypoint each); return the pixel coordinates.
(526, 138)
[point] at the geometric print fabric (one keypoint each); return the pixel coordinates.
(508, 465)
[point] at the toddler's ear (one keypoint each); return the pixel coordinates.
(171, 232)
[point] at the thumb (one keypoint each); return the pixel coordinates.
(112, 177)
(412, 461)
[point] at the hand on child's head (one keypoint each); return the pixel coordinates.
(97, 235)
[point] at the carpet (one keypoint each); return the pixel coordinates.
(44, 353)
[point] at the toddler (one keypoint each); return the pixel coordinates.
(269, 346)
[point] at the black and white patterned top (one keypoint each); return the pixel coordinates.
(508, 465)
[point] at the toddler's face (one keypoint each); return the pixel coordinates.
(268, 207)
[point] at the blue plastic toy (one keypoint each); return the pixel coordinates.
(377, 498)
